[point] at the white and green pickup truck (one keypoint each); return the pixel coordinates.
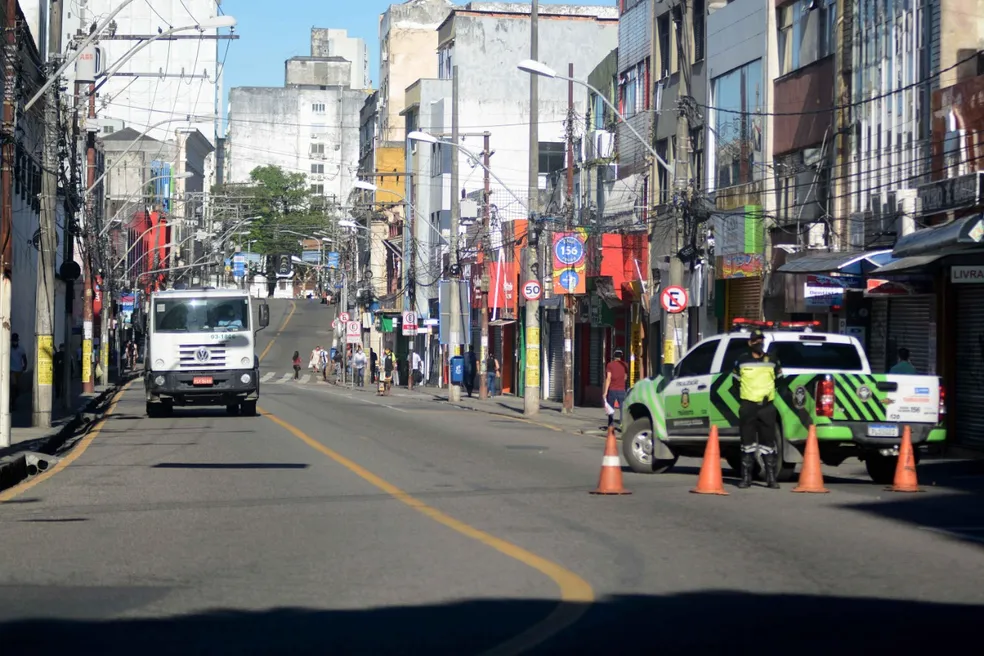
(826, 382)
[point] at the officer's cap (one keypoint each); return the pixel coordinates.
(757, 336)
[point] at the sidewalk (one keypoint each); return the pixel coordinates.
(26, 439)
(584, 421)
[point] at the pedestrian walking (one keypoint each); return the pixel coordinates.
(757, 372)
(324, 362)
(296, 361)
(373, 364)
(388, 367)
(616, 377)
(492, 374)
(359, 366)
(416, 369)
(315, 361)
(471, 365)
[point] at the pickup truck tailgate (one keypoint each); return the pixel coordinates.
(914, 399)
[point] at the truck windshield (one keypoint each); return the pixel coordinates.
(817, 355)
(201, 315)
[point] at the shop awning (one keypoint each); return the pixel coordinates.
(848, 264)
(949, 239)
(907, 264)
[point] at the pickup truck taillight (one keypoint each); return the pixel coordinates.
(825, 397)
(942, 411)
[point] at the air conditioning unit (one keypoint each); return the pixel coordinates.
(816, 236)
(317, 176)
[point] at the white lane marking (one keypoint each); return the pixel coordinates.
(305, 379)
(267, 376)
(286, 377)
(358, 398)
(394, 408)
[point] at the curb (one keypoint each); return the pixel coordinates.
(14, 470)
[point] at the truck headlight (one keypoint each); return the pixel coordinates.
(246, 362)
(158, 364)
(159, 381)
(245, 378)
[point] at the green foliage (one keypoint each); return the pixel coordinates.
(283, 202)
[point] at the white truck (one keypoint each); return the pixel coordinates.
(201, 350)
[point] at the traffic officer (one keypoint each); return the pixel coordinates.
(757, 373)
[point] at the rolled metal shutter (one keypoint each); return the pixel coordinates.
(968, 397)
(908, 319)
(556, 360)
(596, 358)
(744, 299)
(878, 341)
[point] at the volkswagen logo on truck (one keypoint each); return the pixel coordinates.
(202, 354)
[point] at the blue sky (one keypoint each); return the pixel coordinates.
(270, 32)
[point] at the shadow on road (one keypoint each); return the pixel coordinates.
(697, 623)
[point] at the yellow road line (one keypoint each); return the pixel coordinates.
(575, 593)
(75, 454)
(293, 306)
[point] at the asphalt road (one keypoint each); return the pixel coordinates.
(341, 522)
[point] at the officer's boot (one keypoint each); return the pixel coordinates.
(747, 467)
(771, 461)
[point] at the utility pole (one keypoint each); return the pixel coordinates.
(44, 313)
(840, 240)
(11, 52)
(675, 326)
(87, 289)
(569, 296)
(531, 392)
(454, 337)
(483, 352)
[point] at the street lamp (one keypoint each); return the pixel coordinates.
(534, 67)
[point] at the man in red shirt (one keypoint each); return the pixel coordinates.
(616, 376)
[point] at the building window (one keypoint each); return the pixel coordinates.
(807, 33)
(553, 155)
(598, 111)
(317, 190)
(317, 149)
(634, 89)
(738, 101)
(700, 18)
(318, 108)
(318, 169)
(444, 65)
(666, 59)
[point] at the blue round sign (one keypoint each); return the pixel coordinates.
(569, 280)
(569, 251)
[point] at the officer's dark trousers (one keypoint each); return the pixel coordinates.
(758, 425)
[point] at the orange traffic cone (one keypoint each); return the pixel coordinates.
(710, 480)
(610, 480)
(905, 471)
(811, 478)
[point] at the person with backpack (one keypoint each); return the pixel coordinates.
(388, 366)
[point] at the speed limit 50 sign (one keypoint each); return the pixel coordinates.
(674, 299)
(532, 290)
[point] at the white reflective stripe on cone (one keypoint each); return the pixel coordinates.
(611, 461)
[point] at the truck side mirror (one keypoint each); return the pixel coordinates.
(264, 315)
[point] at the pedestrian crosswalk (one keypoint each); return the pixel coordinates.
(276, 378)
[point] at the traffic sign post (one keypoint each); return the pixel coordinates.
(409, 323)
(674, 299)
(532, 290)
(344, 317)
(353, 332)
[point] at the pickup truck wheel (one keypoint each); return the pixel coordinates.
(637, 448)
(153, 409)
(786, 470)
(248, 408)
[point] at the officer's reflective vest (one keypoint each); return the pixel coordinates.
(757, 379)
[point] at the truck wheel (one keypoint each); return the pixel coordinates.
(248, 408)
(786, 470)
(153, 409)
(637, 448)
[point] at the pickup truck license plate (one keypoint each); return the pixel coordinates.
(201, 380)
(883, 430)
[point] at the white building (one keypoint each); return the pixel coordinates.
(167, 79)
(327, 42)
